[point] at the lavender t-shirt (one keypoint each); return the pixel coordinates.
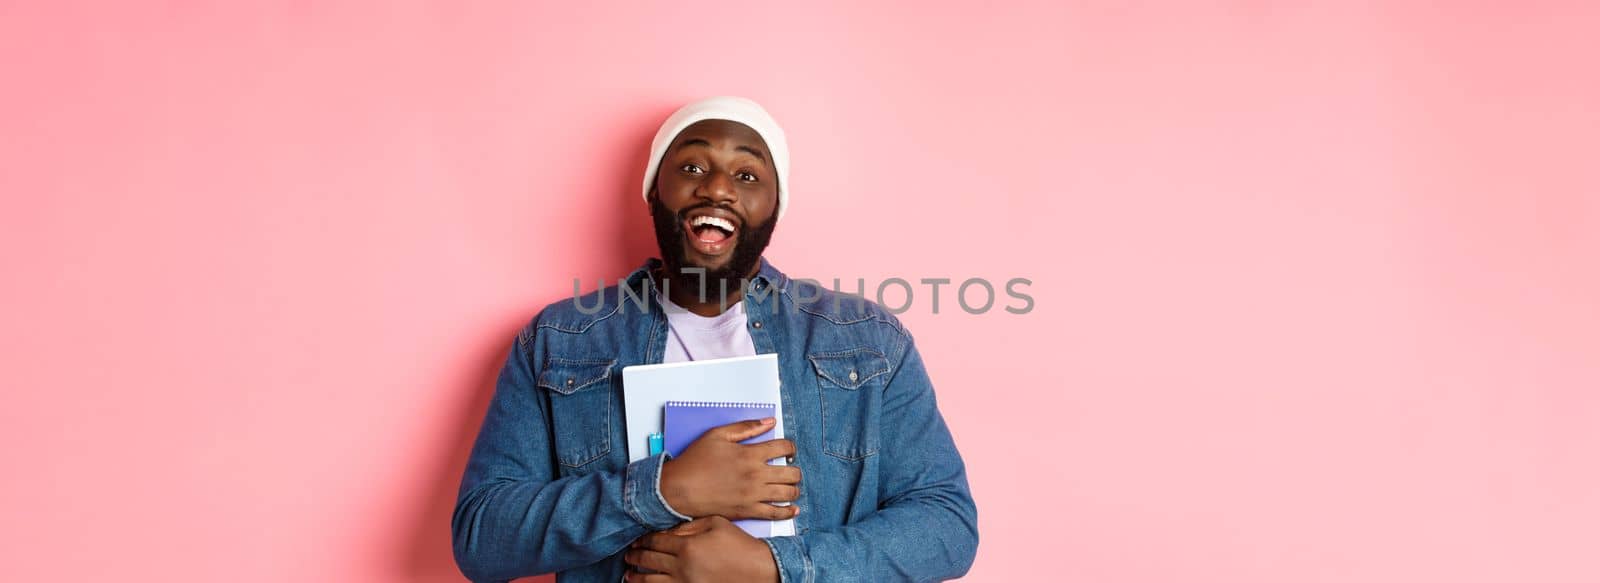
(691, 336)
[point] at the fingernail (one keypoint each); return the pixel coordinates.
(766, 420)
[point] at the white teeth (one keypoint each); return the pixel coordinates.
(717, 222)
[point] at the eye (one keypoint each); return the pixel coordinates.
(691, 169)
(747, 177)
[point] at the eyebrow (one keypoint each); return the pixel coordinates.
(701, 142)
(752, 151)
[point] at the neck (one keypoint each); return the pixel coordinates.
(684, 289)
(690, 300)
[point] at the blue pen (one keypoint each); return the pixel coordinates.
(655, 444)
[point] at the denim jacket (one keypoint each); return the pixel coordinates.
(549, 488)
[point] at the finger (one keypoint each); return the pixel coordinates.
(781, 475)
(773, 512)
(666, 542)
(652, 560)
(743, 430)
(780, 493)
(775, 448)
(636, 577)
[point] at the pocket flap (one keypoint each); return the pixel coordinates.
(850, 369)
(564, 375)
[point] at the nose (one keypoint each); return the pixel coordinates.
(719, 188)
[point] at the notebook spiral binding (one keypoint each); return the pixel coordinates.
(722, 404)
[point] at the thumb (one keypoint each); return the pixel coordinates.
(743, 430)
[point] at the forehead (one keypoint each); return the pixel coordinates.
(721, 134)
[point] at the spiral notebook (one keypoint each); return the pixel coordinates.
(686, 421)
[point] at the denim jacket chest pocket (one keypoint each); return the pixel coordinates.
(850, 385)
(580, 409)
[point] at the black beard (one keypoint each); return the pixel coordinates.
(673, 239)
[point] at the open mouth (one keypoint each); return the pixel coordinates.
(710, 234)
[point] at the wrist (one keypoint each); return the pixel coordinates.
(762, 564)
(641, 495)
(772, 570)
(769, 566)
(673, 493)
(791, 557)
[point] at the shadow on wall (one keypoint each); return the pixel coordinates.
(427, 554)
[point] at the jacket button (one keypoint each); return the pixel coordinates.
(853, 376)
(569, 381)
(756, 324)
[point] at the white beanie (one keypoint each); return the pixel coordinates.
(735, 109)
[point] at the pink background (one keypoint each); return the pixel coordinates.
(1316, 282)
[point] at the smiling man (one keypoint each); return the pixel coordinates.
(876, 486)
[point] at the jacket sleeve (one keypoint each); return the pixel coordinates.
(926, 525)
(513, 518)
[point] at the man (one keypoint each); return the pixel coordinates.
(876, 486)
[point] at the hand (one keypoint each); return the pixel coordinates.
(717, 475)
(705, 550)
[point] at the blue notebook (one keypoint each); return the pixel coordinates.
(686, 421)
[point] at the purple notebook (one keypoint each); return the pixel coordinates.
(686, 421)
